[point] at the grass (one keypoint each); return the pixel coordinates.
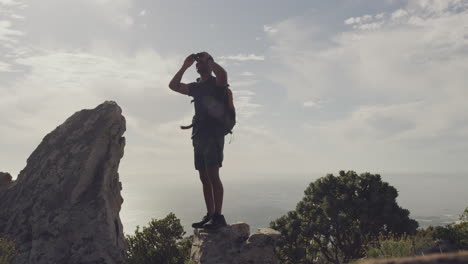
(7, 251)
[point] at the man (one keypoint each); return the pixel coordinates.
(207, 136)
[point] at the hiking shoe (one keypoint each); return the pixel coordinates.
(200, 224)
(215, 222)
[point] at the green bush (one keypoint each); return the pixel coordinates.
(456, 233)
(7, 251)
(338, 217)
(161, 242)
(424, 238)
(395, 246)
(392, 246)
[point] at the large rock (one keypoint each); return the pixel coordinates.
(64, 206)
(233, 245)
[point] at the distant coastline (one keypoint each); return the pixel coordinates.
(431, 199)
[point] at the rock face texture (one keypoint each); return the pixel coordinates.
(64, 206)
(233, 245)
(5, 179)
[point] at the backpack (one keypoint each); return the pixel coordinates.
(227, 119)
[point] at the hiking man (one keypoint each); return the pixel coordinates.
(207, 136)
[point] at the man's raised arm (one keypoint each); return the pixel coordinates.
(175, 83)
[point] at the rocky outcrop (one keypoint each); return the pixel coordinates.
(64, 206)
(234, 245)
(5, 179)
(451, 258)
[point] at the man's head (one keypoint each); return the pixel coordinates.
(203, 68)
(202, 64)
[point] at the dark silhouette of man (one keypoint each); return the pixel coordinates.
(207, 136)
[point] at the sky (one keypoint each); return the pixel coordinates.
(319, 86)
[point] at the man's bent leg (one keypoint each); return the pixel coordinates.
(218, 190)
(207, 192)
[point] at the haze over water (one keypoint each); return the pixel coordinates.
(432, 199)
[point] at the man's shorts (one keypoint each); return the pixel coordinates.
(208, 152)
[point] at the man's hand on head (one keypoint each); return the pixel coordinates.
(221, 74)
(205, 56)
(189, 61)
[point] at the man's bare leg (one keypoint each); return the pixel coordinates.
(207, 192)
(218, 190)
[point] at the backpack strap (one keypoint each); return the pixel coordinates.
(186, 127)
(191, 125)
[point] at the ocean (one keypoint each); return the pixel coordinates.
(432, 199)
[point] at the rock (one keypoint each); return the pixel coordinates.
(233, 245)
(451, 258)
(5, 178)
(64, 206)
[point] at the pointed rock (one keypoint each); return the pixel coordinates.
(64, 206)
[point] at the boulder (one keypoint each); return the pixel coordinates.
(233, 244)
(64, 206)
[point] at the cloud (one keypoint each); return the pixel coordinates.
(7, 33)
(243, 57)
(10, 36)
(78, 24)
(9, 2)
(243, 83)
(376, 122)
(245, 109)
(358, 20)
(269, 29)
(312, 104)
(243, 100)
(246, 73)
(53, 72)
(5, 67)
(398, 81)
(116, 11)
(244, 92)
(70, 81)
(367, 22)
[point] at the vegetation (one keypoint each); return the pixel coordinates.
(161, 242)
(338, 217)
(456, 233)
(392, 246)
(7, 251)
(403, 246)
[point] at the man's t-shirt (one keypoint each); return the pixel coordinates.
(208, 100)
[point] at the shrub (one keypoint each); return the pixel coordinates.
(395, 246)
(338, 216)
(392, 246)
(161, 242)
(456, 233)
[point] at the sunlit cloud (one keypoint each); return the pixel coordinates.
(244, 57)
(269, 29)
